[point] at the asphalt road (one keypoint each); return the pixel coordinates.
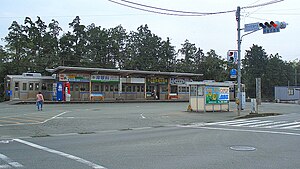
(147, 136)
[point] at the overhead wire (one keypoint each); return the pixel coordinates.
(183, 13)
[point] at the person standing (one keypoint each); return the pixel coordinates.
(39, 101)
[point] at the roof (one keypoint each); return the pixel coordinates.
(30, 77)
(219, 84)
(65, 69)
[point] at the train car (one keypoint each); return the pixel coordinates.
(27, 85)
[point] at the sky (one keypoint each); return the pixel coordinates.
(217, 32)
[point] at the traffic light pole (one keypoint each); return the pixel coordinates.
(239, 74)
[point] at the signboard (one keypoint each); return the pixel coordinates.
(105, 78)
(157, 80)
(74, 77)
(217, 95)
(233, 73)
(179, 81)
(251, 27)
(270, 30)
(59, 91)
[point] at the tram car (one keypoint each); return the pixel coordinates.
(26, 86)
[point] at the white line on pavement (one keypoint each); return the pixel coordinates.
(5, 166)
(10, 161)
(78, 159)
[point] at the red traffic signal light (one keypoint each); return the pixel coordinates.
(273, 24)
(231, 56)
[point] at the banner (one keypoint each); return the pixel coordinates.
(105, 78)
(217, 95)
(74, 77)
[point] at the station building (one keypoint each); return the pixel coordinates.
(96, 84)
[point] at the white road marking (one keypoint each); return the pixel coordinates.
(5, 166)
(143, 117)
(249, 123)
(233, 122)
(78, 159)
(253, 131)
(291, 127)
(5, 141)
(10, 161)
(282, 125)
(268, 124)
(38, 122)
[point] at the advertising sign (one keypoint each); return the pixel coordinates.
(179, 81)
(74, 78)
(157, 80)
(59, 91)
(217, 95)
(105, 78)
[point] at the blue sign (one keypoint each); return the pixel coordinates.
(251, 27)
(233, 72)
(8, 93)
(270, 30)
(59, 91)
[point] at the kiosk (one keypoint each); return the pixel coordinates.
(208, 96)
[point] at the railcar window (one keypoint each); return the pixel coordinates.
(30, 86)
(50, 86)
(24, 86)
(44, 87)
(16, 86)
(37, 86)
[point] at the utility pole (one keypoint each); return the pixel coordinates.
(239, 74)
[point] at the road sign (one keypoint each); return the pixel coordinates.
(270, 30)
(233, 73)
(251, 27)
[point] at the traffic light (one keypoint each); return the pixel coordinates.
(272, 24)
(272, 27)
(231, 56)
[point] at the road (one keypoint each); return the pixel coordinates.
(147, 135)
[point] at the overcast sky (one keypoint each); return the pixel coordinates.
(218, 32)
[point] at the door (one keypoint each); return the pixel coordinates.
(17, 90)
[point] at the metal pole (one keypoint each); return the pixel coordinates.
(238, 16)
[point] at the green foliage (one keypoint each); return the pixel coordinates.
(34, 46)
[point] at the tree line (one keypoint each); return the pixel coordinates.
(34, 46)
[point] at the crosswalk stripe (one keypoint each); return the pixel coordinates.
(233, 122)
(291, 127)
(259, 124)
(282, 125)
(268, 124)
(250, 123)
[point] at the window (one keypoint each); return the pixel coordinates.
(30, 86)
(128, 89)
(76, 87)
(111, 88)
(50, 86)
(106, 88)
(24, 86)
(37, 86)
(173, 89)
(44, 87)
(95, 87)
(133, 89)
(291, 91)
(16, 86)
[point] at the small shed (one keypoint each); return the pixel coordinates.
(287, 93)
(208, 96)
